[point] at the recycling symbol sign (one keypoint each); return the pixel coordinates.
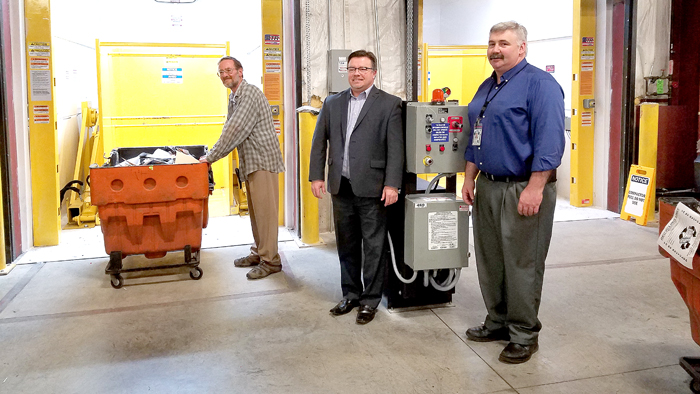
(686, 236)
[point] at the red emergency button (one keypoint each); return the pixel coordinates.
(428, 148)
(442, 148)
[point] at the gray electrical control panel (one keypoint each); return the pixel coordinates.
(436, 231)
(338, 70)
(436, 137)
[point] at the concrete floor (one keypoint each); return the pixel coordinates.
(613, 323)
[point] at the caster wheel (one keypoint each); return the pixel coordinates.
(695, 386)
(196, 273)
(117, 281)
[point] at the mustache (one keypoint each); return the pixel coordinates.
(496, 56)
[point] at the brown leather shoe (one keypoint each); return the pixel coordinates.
(482, 334)
(247, 261)
(262, 270)
(343, 307)
(516, 353)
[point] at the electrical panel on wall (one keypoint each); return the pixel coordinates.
(338, 70)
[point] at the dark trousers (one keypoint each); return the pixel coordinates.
(360, 227)
(510, 253)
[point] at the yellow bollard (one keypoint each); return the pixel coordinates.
(309, 203)
(648, 146)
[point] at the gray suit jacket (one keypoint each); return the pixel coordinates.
(376, 144)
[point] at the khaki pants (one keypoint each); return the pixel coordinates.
(262, 190)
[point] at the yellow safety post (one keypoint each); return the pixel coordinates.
(648, 146)
(43, 141)
(309, 203)
(582, 104)
(273, 82)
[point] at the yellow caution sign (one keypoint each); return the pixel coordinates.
(638, 194)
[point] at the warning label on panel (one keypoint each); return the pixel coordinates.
(41, 109)
(273, 67)
(278, 126)
(38, 63)
(40, 82)
(586, 118)
(442, 230)
(171, 72)
(38, 119)
(42, 49)
(342, 64)
(440, 133)
(587, 54)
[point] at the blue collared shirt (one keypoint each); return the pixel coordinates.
(523, 126)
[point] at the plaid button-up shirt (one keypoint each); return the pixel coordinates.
(249, 128)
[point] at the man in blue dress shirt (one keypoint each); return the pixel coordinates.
(517, 144)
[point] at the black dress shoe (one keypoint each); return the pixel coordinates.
(365, 314)
(515, 353)
(344, 306)
(482, 334)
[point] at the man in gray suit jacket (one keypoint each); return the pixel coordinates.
(363, 131)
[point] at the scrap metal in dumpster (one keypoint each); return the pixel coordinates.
(150, 203)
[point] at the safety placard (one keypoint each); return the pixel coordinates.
(38, 63)
(587, 54)
(442, 230)
(273, 67)
(440, 132)
(342, 64)
(586, 118)
(681, 235)
(639, 187)
(42, 49)
(172, 72)
(40, 82)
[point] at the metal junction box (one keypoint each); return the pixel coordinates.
(338, 70)
(436, 232)
(436, 137)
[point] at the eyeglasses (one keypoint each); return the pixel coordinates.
(362, 70)
(226, 71)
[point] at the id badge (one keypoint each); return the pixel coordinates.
(476, 141)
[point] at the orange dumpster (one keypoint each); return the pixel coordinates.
(151, 209)
(687, 282)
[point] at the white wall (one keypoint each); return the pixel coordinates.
(549, 24)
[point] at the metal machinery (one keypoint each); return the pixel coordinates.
(429, 231)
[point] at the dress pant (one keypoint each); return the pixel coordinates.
(360, 230)
(262, 192)
(510, 254)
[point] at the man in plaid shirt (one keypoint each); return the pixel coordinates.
(249, 128)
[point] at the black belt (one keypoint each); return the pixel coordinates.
(496, 178)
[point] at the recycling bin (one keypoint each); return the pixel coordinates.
(151, 209)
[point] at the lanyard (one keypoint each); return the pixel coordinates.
(487, 102)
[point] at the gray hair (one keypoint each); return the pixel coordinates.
(519, 30)
(236, 63)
